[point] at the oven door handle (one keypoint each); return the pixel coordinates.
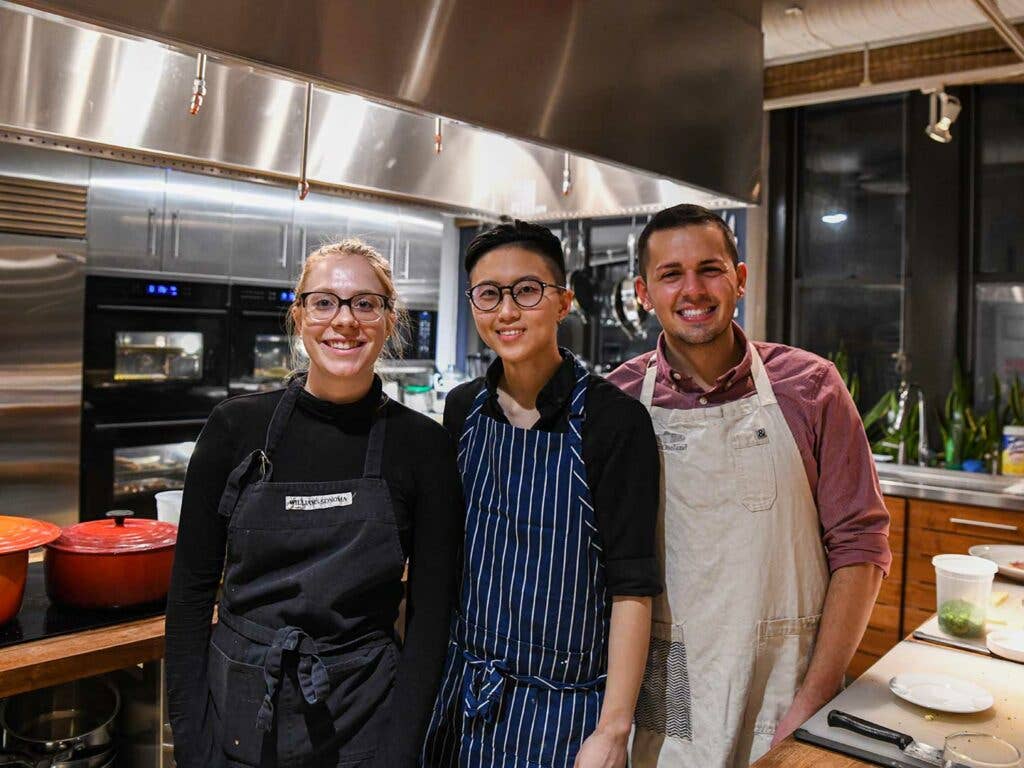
(262, 313)
(149, 424)
(159, 310)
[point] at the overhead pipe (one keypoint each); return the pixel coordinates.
(198, 85)
(1002, 25)
(303, 180)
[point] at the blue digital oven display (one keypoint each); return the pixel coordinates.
(162, 289)
(287, 296)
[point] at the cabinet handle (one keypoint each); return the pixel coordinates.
(284, 246)
(983, 524)
(391, 254)
(151, 231)
(176, 225)
(302, 246)
(405, 272)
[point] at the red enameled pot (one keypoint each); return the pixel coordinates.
(113, 563)
(17, 536)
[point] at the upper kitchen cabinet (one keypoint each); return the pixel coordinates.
(197, 231)
(125, 215)
(417, 263)
(319, 219)
(263, 245)
(375, 224)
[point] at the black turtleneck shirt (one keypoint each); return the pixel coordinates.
(322, 441)
(620, 454)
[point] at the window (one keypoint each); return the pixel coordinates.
(1000, 179)
(850, 243)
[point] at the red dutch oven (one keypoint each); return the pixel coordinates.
(112, 563)
(17, 536)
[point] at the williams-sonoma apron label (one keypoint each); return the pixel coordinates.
(318, 502)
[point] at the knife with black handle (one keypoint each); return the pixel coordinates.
(905, 743)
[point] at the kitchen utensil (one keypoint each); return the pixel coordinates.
(978, 750)
(168, 506)
(1002, 555)
(62, 722)
(902, 741)
(941, 692)
(630, 314)
(95, 757)
(112, 563)
(17, 536)
(963, 586)
(1008, 643)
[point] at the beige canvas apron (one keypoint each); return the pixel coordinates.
(745, 581)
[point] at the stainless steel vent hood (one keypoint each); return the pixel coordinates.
(672, 89)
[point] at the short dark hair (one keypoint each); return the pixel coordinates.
(521, 234)
(684, 215)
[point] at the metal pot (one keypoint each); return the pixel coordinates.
(628, 312)
(17, 536)
(65, 726)
(113, 563)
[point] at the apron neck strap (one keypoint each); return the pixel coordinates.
(375, 443)
(765, 393)
(647, 392)
(282, 413)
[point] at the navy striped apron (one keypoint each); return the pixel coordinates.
(527, 661)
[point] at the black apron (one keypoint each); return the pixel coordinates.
(295, 679)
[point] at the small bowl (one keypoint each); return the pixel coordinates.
(1008, 643)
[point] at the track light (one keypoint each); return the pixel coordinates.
(943, 110)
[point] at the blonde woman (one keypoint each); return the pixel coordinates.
(311, 499)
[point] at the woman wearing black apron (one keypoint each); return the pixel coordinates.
(560, 472)
(312, 499)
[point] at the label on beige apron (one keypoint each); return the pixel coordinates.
(318, 502)
(745, 581)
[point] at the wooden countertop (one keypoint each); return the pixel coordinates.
(55, 660)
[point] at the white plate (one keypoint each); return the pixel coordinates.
(1008, 643)
(1002, 555)
(946, 694)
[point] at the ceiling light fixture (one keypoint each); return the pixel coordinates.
(836, 217)
(943, 110)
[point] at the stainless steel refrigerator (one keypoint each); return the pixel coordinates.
(42, 289)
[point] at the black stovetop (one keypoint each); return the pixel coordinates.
(40, 618)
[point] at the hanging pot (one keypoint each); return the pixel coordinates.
(113, 563)
(64, 726)
(18, 535)
(628, 312)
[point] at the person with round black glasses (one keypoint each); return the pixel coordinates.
(560, 476)
(312, 499)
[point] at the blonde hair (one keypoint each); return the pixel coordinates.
(395, 317)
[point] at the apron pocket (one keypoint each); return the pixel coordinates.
(784, 648)
(237, 691)
(664, 704)
(755, 468)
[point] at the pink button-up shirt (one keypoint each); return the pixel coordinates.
(825, 424)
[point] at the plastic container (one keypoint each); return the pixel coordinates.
(168, 506)
(1013, 451)
(963, 586)
(978, 750)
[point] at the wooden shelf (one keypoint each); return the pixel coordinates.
(55, 660)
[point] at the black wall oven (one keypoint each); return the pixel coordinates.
(261, 354)
(155, 365)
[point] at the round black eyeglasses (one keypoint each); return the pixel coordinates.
(526, 293)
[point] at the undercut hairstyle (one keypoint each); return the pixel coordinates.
(521, 234)
(685, 215)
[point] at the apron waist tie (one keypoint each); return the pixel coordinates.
(484, 688)
(311, 672)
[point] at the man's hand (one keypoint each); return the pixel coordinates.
(798, 713)
(602, 750)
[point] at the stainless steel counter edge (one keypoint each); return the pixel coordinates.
(1007, 501)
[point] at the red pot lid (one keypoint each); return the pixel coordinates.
(120, 533)
(18, 534)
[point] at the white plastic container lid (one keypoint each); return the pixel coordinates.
(965, 566)
(1013, 431)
